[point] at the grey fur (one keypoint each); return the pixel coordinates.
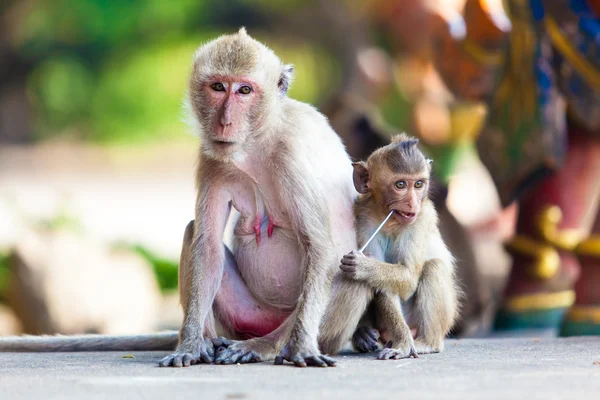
(59, 343)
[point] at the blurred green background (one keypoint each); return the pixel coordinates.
(115, 71)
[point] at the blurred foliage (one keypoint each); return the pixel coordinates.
(62, 220)
(166, 271)
(278, 5)
(116, 71)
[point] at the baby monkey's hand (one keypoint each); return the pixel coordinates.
(355, 265)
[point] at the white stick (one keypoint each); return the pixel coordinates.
(376, 232)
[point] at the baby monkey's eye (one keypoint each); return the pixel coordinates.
(400, 185)
(419, 184)
(218, 87)
(245, 90)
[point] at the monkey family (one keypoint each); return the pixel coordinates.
(278, 291)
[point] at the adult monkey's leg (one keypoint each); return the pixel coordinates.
(349, 301)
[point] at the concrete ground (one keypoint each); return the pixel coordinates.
(478, 369)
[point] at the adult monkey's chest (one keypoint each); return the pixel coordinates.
(267, 251)
(258, 202)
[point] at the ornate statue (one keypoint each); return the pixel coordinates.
(540, 80)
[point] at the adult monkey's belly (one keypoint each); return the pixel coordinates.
(272, 269)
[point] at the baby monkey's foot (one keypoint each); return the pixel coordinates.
(423, 347)
(388, 353)
(365, 339)
(304, 357)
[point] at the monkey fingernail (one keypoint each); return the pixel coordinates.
(299, 361)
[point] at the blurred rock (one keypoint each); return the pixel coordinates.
(109, 190)
(65, 283)
(9, 323)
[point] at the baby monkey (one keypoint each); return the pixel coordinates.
(406, 266)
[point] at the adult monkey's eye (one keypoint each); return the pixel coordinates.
(400, 185)
(218, 87)
(419, 184)
(245, 90)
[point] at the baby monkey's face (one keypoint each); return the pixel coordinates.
(397, 178)
(404, 194)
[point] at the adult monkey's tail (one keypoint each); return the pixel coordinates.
(59, 343)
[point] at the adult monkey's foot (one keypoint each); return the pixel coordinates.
(190, 354)
(243, 351)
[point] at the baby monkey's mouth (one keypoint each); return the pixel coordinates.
(405, 216)
(223, 142)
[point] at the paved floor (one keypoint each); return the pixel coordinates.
(478, 369)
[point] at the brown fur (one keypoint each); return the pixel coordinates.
(406, 265)
(234, 55)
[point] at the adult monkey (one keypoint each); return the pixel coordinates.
(281, 166)
(278, 162)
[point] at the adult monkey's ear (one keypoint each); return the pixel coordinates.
(286, 78)
(361, 177)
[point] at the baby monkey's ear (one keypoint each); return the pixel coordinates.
(361, 177)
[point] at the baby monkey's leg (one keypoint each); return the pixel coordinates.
(393, 327)
(435, 307)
